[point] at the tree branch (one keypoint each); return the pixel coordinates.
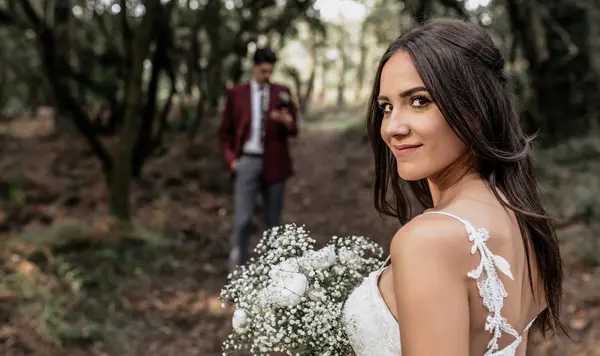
(55, 73)
(456, 6)
(127, 34)
(105, 91)
(38, 24)
(6, 18)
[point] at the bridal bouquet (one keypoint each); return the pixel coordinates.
(290, 297)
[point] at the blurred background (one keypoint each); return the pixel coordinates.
(98, 261)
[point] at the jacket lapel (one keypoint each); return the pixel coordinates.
(247, 100)
(272, 97)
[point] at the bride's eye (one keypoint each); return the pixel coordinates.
(419, 102)
(385, 108)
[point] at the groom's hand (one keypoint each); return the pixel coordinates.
(282, 116)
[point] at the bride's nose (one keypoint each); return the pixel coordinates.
(394, 126)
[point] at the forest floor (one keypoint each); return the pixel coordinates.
(162, 299)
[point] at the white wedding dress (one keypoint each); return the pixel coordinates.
(373, 331)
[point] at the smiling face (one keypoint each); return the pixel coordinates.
(413, 127)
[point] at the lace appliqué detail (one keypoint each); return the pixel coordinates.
(491, 288)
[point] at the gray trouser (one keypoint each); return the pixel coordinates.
(249, 181)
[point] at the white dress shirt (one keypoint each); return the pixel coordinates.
(254, 144)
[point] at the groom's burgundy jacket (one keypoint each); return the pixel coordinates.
(234, 131)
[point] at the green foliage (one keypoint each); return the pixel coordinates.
(19, 78)
(569, 176)
(69, 292)
(11, 189)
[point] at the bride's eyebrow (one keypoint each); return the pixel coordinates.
(411, 91)
(405, 93)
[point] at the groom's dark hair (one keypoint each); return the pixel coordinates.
(264, 55)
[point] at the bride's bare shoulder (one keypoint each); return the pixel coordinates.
(431, 256)
(432, 237)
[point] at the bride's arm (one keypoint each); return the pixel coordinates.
(430, 259)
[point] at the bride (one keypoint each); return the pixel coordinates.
(481, 268)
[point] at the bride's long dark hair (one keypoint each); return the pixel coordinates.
(464, 73)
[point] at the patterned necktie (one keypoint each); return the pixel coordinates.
(264, 102)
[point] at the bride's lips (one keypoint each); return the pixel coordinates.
(403, 150)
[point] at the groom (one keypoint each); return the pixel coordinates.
(256, 122)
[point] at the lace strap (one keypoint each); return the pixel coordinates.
(529, 325)
(491, 288)
(389, 257)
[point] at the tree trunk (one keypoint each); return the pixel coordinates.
(214, 76)
(341, 88)
(160, 60)
(61, 23)
(121, 177)
(360, 72)
(305, 98)
(199, 115)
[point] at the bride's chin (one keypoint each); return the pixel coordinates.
(411, 175)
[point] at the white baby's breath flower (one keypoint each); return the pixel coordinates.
(345, 255)
(339, 270)
(317, 294)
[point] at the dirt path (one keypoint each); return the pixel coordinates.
(330, 195)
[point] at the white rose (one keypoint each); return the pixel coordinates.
(284, 269)
(325, 257)
(240, 321)
(287, 291)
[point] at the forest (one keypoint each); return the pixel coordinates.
(116, 208)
